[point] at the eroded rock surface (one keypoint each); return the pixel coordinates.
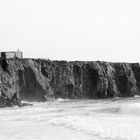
(41, 80)
(9, 90)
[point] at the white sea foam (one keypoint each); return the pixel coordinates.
(73, 120)
(131, 109)
(105, 127)
(62, 100)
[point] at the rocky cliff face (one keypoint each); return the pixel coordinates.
(41, 80)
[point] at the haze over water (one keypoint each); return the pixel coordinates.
(73, 120)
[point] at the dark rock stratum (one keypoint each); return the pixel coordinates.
(41, 80)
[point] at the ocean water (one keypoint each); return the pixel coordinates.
(73, 120)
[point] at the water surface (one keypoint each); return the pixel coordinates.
(73, 120)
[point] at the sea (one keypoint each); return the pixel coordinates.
(64, 119)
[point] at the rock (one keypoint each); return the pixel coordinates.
(136, 70)
(41, 80)
(27, 104)
(125, 80)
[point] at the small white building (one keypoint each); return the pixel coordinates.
(13, 54)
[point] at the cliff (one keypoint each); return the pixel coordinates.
(41, 80)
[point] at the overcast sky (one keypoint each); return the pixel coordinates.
(72, 29)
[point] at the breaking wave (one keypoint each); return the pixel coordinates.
(131, 109)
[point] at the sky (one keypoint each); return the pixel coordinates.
(86, 30)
